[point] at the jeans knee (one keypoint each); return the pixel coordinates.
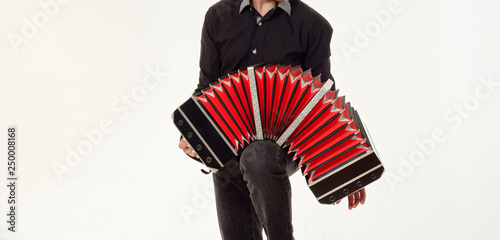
(260, 157)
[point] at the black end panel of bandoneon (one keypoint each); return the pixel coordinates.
(345, 175)
(205, 138)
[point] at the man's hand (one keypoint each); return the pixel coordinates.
(356, 198)
(183, 144)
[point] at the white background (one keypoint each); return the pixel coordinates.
(407, 81)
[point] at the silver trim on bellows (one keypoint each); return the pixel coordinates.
(307, 109)
(255, 103)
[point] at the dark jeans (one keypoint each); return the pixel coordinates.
(254, 193)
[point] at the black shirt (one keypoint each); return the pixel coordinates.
(235, 36)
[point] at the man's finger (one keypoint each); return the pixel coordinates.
(363, 195)
(193, 153)
(356, 199)
(183, 143)
(349, 199)
(189, 151)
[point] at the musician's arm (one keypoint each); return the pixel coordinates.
(209, 67)
(210, 62)
(318, 50)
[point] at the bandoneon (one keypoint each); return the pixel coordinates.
(298, 111)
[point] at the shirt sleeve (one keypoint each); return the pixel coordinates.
(210, 62)
(318, 51)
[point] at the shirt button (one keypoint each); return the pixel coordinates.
(259, 23)
(254, 51)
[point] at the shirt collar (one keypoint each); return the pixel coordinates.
(285, 5)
